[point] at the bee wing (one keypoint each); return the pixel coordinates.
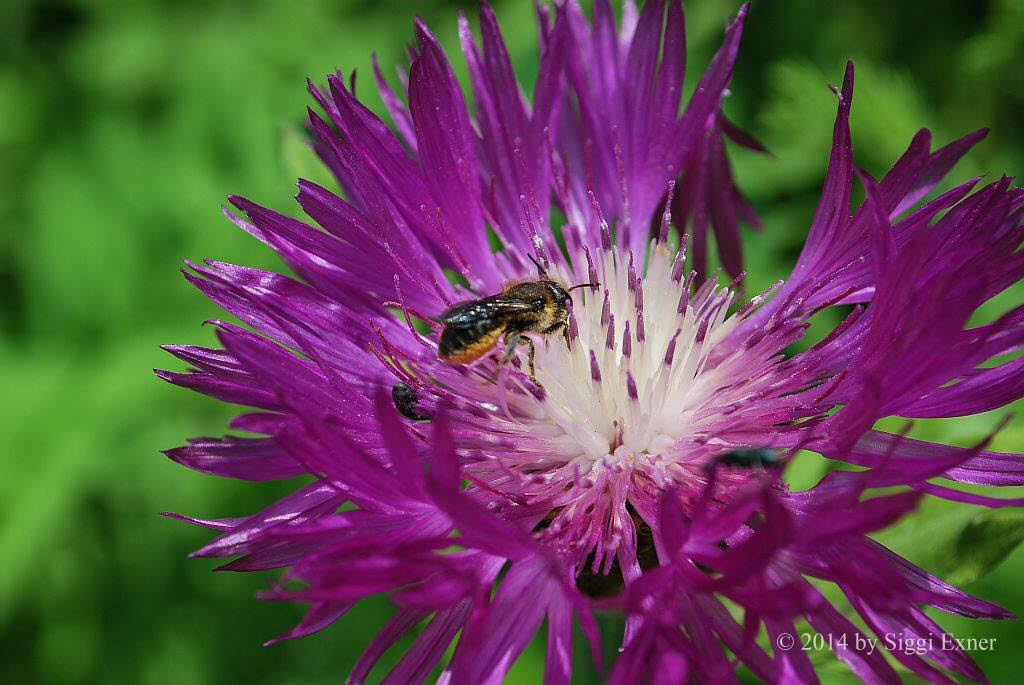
(488, 308)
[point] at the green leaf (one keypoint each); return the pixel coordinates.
(983, 544)
(928, 535)
(954, 540)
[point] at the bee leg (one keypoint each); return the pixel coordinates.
(565, 334)
(511, 340)
(526, 340)
(514, 339)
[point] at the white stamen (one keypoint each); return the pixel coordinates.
(651, 391)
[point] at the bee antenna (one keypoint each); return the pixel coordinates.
(540, 269)
(584, 285)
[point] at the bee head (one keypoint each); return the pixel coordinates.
(558, 292)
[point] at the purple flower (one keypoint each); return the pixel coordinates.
(639, 471)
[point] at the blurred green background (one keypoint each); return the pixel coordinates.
(122, 127)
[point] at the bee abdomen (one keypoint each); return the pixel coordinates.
(460, 345)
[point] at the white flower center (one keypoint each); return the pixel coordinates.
(635, 382)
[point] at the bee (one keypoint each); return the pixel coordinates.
(472, 329)
(405, 399)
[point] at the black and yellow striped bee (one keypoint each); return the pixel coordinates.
(472, 329)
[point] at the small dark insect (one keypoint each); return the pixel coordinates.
(405, 399)
(472, 329)
(601, 585)
(749, 458)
